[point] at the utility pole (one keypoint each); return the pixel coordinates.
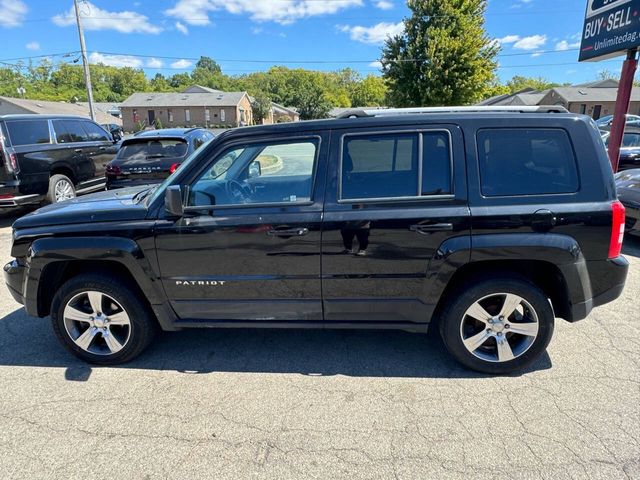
(85, 63)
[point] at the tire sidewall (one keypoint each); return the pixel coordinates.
(452, 318)
(53, 181)
(122, 295)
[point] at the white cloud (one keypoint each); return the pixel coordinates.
(32, 46)
(155, 63)
(12, 13)
(257, 30)
(115, 60)
(375, 34)
(533, 42)
(508, 39)
(384, 4)
(376, 64)
(94, 18)
(564, 45)
(181, 27)
(181, 64)
(196, 12)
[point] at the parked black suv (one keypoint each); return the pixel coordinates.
(487, 223)
(153, 155)
(50, 158)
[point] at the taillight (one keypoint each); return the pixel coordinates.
(617, 229)
(113, 169)
(173, 167)
(11, 161)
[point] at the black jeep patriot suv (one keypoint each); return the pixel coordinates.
(484, 223)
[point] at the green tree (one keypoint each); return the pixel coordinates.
(209, 64)
(443, 57)
(261, 107)
(519, 82)
(369, 92)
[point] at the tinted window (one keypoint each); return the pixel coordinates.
(526, 162)
(258, 173)
(28, 132)
(380, 166)
(631, 140)
(95, 132)
(141, 150)
(69, 131)
(436, 163)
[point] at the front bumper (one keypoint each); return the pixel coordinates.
(14, 277)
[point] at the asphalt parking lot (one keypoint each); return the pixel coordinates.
(321, 404)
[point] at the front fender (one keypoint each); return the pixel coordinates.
(127, 252)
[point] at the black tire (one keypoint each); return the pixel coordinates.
(141, 330)
(486, 289)
(55, 180)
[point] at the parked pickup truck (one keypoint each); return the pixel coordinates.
(486, 224)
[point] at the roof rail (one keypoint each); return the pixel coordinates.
(387, 112)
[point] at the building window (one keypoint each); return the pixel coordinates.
(583, 108)
(223, 117)
(207, 115)
(187, 115)
(170, 113)
(135, 115)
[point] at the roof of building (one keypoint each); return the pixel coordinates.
(336, 112)
(180, 99)
(200, 89)
(607, 83)
(584, 94)
(45, 107)
(526, 96)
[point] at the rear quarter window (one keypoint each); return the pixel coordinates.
(28, 132)
(521, 161)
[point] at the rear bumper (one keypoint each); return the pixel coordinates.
(10, 196)
(112, 184)
(615, 272)
(14, 275)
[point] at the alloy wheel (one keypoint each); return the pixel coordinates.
(499, 327)
(63, 190)
(97, 323)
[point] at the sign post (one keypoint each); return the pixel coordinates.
(612, 28)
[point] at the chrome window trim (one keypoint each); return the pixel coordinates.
(419, 197)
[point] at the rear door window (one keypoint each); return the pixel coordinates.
(168, 148)
(69, 131)
(95, 133)
(520, 161)
(28, 132)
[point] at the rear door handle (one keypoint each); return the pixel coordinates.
(288, 232)
(431, 227)
(78, 150)
(102, 148)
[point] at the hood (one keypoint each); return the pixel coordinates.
(107, 206)
(628, 186)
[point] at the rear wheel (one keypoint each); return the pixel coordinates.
(60, 188)
(101, 319)
(497, 326)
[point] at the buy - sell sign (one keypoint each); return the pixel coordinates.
(610, 28)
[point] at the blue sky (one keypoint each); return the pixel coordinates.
(538, 37)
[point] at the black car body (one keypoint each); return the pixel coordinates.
(42, 153)
(628, 186)
(392, 220)
(153, 155)
(629, 150)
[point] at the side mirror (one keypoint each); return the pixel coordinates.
(255, 169)
(173, 204)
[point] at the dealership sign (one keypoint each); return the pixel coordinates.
(610, 28)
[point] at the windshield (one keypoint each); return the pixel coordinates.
(141, 150)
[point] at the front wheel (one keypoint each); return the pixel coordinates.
(101, 319)
(497, 326)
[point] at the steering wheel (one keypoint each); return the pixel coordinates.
(237, 192)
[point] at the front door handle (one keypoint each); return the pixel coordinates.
(288, 232)
(431, 227)
(102, 148)
(78, 150)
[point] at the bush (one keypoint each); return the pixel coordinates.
(157, 124)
